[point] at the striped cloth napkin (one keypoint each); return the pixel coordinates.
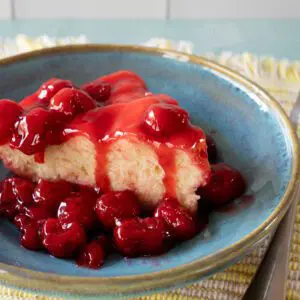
(282, 79)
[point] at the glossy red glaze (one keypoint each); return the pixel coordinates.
(178, 222)
(117, 206)
(91, 256)
(88, 192)
(131, 112)
(30, 238)
(105, 124)
(7, 195)
(69, 102)
(9, 113)
(62, 241)
(9, 206)
(225, 185)
(98, 89)
(50, 193)
(8, 211)
(163, 120)
(125, 86)
(29, 135)
(51, 226)
(136, 237)
(63, 104)
(77, 209)
(23, 189)
(21, 220)
(40, 212)
(46, 91)
(105, 242)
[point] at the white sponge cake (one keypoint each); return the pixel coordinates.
(131, 165)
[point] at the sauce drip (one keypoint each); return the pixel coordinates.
(133, 113)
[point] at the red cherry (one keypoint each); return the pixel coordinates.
(98, 90)
(63, 104)
(30, 130)
(178, 222)
(9, 113)
(50, 226)
(23, 189)
(51, 193)
(105, 242)
(84, 102)
(9, 206)
(69, 101)
(20, 208)
(211, 149)
(137, 236)
(77, 209)
(225, 185)
(49, 88)
(114, 206)
(62, 241)
(8, 211)
(7, 195)
(40, 212)
(126, 86)
(165, 119)
(88, 192)
(21, 220)
(91, 256)
(30, 238)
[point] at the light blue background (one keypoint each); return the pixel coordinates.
(279, 38)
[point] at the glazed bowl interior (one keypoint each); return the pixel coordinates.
(251, 134)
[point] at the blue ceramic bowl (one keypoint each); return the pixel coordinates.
(251, 131)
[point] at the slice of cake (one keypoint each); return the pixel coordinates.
(110, 133)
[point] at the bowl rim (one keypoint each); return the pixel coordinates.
(43, 281)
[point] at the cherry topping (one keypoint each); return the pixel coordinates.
(23, 189)
(105, 242)
(62, 241)
(88, 192)
(8, 211)
(68, 102)
(91, 255)
(9, 113)
(77, 209)
(137, 236)
(51, 226)
(7, 195)
(49, 88)
(211, 149)
(30, 238)
(98, 90)
(225, 185)
(63, 103)
(51, 193)
(30, 130)
(165, 119)
(9, 206)
(21, 220)
(83, 101)
(178, 222)
(125, 86)
(40, 212)
(114, 206)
